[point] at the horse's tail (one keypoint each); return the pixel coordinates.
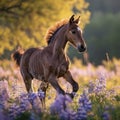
(16, 56)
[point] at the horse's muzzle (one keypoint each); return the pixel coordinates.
(81, 48)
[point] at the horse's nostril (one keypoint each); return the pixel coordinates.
(81, 48)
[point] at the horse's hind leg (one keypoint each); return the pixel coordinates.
(28, 84)
(28, 81)
(43, 87)
(70, 79)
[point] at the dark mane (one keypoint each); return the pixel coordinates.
(53, 30)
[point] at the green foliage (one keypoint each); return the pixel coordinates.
(24, 116)
(112, 64)
(42, 116)
(102, 36)
(104, 5)
(25, 22)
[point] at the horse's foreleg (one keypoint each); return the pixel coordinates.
(53, 81)
(70, 79)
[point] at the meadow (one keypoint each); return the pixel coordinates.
(98, 97)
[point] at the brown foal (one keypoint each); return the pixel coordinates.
(51, 62)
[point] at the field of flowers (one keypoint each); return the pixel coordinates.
(98, 97)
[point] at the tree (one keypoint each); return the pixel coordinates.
(25, 22)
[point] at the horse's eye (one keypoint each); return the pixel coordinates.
(73, 31)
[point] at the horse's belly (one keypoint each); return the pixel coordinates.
(36, 70)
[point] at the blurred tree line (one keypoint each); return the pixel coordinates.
(25, 22)
(102, 34)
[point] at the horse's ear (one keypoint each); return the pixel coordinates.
(77, 20)
(71, 20)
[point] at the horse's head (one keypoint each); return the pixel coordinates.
(74, 34)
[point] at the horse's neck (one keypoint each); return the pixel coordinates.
(60, 42)
(58, 47)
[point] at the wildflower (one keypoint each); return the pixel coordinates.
(106, 115)
(23, 97)
(84, 106)
(32, 97)
(81, 113)
(41, 94)
(16, 111)
(85, 102)
(60, 104)
(2, 115)
(24, 102)
(73, 115)
(57, 105)
(64, 115)
(13, 111)
(100, 85)
(91, 87)
(3, 99)
(24, 106)
(35, 101)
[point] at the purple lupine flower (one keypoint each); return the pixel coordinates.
(60, 108)
(85, 102)
(81, 113)
(106, 115)
(84, 106)
(41, 94)
(35, 101)
(24, 106)
(32, 97)
(23, 97)
(24, 102)
(60, 104)
(91, 87)
(13, 111)
(16, 110)
(64, 115)
(73, 115)
(3, 95)
(2, 115)
(100, 84)
(69, 114)
(57, 106)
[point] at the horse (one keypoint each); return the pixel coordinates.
(51, 62)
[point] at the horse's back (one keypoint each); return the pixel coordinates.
(26, 56)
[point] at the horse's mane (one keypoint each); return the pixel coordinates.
(53, 30)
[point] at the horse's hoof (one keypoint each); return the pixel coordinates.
(71, 95)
